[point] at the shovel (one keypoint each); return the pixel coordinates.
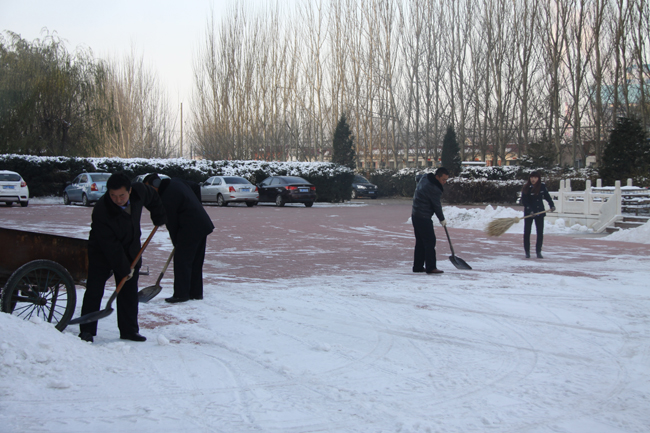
(148, 293)
(95, 316)
(457, 261)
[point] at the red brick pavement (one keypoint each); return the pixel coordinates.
(266, 242)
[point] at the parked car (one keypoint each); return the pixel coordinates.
(13, 188)
(229, 189)
(86, 188)
(361, 187)
(140, 177)
(287, 189)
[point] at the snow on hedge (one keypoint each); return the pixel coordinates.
(203, 167)
(230, 168)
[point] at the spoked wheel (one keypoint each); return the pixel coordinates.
(279, 201)
(84, 200)
(41, 288)
(220, 201)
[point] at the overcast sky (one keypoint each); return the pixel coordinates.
(166, 32)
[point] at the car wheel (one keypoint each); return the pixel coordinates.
(66, 199)
(354, 194)
(309, 204)
(250, 203)
(220, 201)
(84, 200)
(8, 203)
(279, 201)
(24, 203)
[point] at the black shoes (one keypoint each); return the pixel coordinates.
(175, 300)
(540, 256)
(133, 337)
(196, 298)
(528, 255)
(418, 270)
(86, 336)
(436, 271)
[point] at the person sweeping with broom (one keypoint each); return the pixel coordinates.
(533, 195)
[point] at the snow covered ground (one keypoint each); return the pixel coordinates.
(554, 345)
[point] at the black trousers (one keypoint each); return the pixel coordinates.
(425, 245)
(539, 228)
(188, 268)
(127, 300)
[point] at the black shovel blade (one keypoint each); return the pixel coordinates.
(91, 317)
(459, 263)
(148, 293)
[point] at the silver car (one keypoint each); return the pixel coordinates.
(229, 189)
(13, 189)
(86, 188)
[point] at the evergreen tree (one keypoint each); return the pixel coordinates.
(450, 157)
(540, 154)
(343, 145)
(626, 154)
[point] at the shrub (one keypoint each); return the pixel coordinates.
(481, 191)
(49, 175)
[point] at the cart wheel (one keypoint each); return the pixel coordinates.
(41, 288)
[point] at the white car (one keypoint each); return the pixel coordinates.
(229, 189)
(13, 189)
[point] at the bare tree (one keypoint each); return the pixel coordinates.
(144, 123)
(578, 50)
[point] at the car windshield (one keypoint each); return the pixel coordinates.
(100, 177)
(9, 177)
(235, 180)
(290, 180)
(360, 179)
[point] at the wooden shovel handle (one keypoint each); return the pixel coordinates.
(135, 261)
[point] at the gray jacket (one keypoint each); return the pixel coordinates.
(426, 200)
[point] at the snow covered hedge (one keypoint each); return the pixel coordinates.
(478, 184)
(48, 176)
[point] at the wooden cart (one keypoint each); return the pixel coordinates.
(39, 272)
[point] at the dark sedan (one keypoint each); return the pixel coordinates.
(287, 189)
(361, 187)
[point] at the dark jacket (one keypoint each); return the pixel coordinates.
(426, 200)
(186, 217)
(534, 203)
(115, 234)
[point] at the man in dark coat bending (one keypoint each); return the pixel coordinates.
(426, 202)
(113, 244)
(189, 226)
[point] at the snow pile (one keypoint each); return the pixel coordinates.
(479, 218)
(34, 354)
(639, 235)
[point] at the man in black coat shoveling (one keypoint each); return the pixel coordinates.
(189, 226)
(113, 244)
(426, 202)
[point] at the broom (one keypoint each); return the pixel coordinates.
(499, 226)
